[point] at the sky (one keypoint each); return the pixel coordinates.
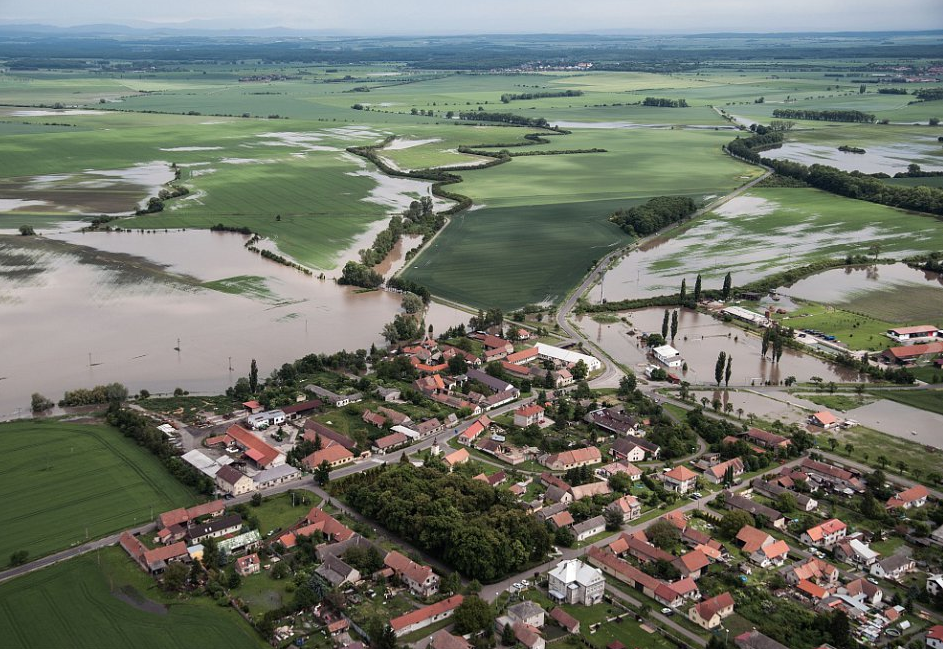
(418, 17)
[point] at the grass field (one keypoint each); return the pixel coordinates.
(66, 482)
(857, 331)
(76, 604)
(874, 444)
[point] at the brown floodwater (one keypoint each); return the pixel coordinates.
(842, 284)
(86, 309)
(700, 339)
(888, 159)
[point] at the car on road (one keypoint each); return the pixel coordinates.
(872, 580)
(696, 494)
(517, 585)
(667, 611)
(525, 583)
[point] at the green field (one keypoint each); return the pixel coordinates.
(853, 329)
(68, 482)
(76, 604)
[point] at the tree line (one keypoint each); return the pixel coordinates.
(652, 216)
(507, 98)
(854, 116)
(662, 102)
(468, 524)
(504, 118)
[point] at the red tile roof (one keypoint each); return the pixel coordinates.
(426, 612)
(912, 351)
(908, 496)
(259, 451)
(710, 607)
(566, 620)
(752, 538)
(826, 418)
(681, 474)
(813, 590)
(529, 410)
(330, 454)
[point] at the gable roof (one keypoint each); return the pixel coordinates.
(777, 548)
(693, 561)
(718, 470)
(313, 428)
(820, 531)
(826, 418)
(711, 607)
(812, 590)
(426, 612)
(230, 474)
(590, 454)
(458, 457)
(913, 494)
(766, 438)
(259, 451)
(681, 474)
(752, 538)
(330, 454)
(564, 619)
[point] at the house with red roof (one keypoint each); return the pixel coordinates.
(390, 442)
(813, 592)
(815, 570)
(691, 564)
(334, 454)
(572, 459)
(522, 357)
(772, 554)
(527, 415)
(916, 496)
(680, 479)
(425, 616)
(248, 565)
(912, 353)
(627, 506)
(470, 434)
(935, 637)
(716, 473)
(766, 439)
(418, 578)
(824, 419)
(565, 620)
(825, 534)
(461, 456)
(751, 539)
(711, 612)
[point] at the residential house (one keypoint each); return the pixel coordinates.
(824, 419)
(680, 479)
(430, 385)
(638, 546)
(460, 456)
(613, 468)
(231, 480)
(429, 427)
(718, 473)
(561, 519)
(470, 434)
(336, 400)
(628, 506)
(565, 620)
(855, 552)
(613, 420)
(388, 443)
(766, 439)
(590, 489)
(751, 539)
(262, 420)
(153, 561)
(527, 415)
(690, 564)
(418, 578)
(528, 636)
(239, 543)
(811, 591)
(334, 454)
(527, 612)
(248, 565)
(916, 496)
(575, 582)
(773, 554)
(572, 459)
(566, 356)
(634, 449)
(315, 429)
(252, 407)
(522, 357)
(373, 418)
(893, 567)
(214, 528)
(668, 356)
(825, 534)
(544, 513)
(556, 494)
(864, 591)
(442, 639)
(388, 394)
(756, 640)
(275, 476)
(709, 613)
(184, 515)
(773, 490)
(911, 334)
(815, 570)
(494, 384)
(935, 584)
(838, 478)
(935, 637)
(772, 517)
(425, 616)
(337, 572)
(589, 528)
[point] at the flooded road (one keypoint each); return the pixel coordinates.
(77, 316)
(700, 339)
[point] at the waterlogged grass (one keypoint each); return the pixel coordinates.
(874, 444)
(76, 604)
(901, 304)
(251, 286)
(931, 400)
(68, 482)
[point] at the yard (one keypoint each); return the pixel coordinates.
(283, 510)
(67, 482)
(104, 600)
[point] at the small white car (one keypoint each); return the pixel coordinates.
(667, 611)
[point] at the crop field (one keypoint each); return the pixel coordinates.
(68, 482)
(767, 230)
(104, 600)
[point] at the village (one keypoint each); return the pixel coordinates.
(688, 529)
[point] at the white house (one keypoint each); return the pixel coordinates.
(668, 356)
(893, 567)
(265, 419)
(549, 352)
(574, 582)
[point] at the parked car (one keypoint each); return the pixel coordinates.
(667, 611)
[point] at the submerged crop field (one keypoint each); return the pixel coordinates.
(65, 483)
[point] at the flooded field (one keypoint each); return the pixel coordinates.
(779, 405)
(700, 338)
(902, 421)
(93, 191)
(888, 159)
(72, 315)
(842, 284)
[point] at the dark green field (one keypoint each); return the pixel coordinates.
(542, 251)
(76, 604)
(66, 482)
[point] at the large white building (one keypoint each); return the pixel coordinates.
(668, 356)
(574, 582)
(549, 352)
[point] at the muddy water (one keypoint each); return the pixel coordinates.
(60, 303)
(887, 159)
(901, 421)
(397, 257)
(785, 407)
(842, 284)
(700, 338)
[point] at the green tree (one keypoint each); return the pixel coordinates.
(627, 384)
(256, 500)
(719, 367)
(323, 473)
(664, 325)
(613, 519)
(663, 534)
(450, 583)
(764, 344)
(580, 370)
(174, 578)
(40, 403)
(786, 502)
(697, 289)
(412, 303)
(19, 558)
(840, 630)
(253, 377)
(684, 291)
(507, 636)
(458, 365)
(733, 521)
(728, 371)
(620, 482)
(564, 537)
(473, 615)
(27, 231)
(725, 293)
(674, 325)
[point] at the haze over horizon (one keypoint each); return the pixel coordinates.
(424, 17)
